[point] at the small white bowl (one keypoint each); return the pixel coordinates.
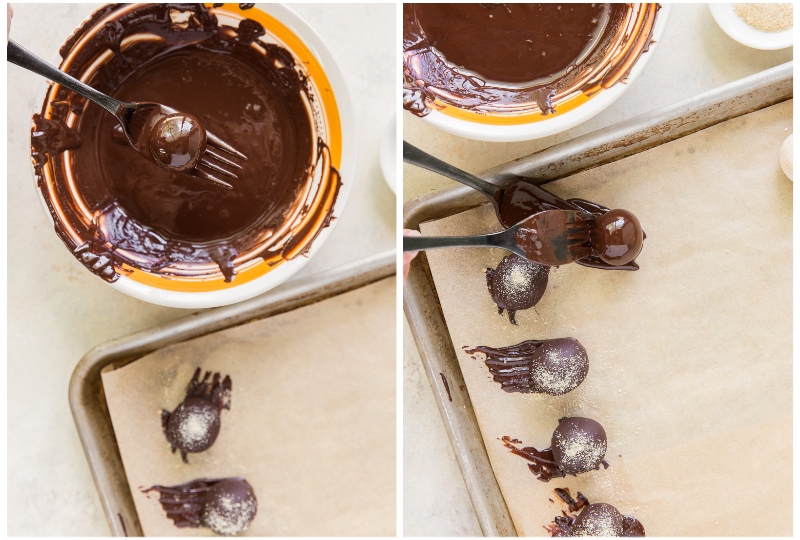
(553, 123)
(745, 34)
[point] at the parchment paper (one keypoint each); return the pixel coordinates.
(311, 425)
(690, 357)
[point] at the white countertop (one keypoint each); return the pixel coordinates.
(694, 56)
(57, 310)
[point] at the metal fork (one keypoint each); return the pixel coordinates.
(137, 121)
(551, 238)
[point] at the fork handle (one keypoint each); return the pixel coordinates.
(415, 156)
(420, 243)
(16, 54)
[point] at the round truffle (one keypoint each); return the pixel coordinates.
(579, 445)
(559, 366)
(194, 425)
(177, 142)
(516, 283)
(598, 519)
(617, 237)
(631, 526)
(230, 506)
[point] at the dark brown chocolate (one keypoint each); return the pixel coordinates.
(599, 519)
(227, 506)
(617, 237)
(177, 142)
(516, 284)
(194, 425)
(514, 57)
(521, 199)
(553, 367)
(578, 445)
(133, 213)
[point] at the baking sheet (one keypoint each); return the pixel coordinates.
(690, 358)
(311, 425)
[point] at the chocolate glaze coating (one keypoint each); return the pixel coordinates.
(177, 142)
(229, 506)
(515, 284)
(565, 524)
(522, 199)
(553, 367)
(632, 526)
(579, 445)
(617, 237)
(195, 423)
(598, 519)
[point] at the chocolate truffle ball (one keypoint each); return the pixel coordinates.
(579, 445)
(598, 519)
(194, 425)
(617, 237)
(230, 505)
(516, 283)
(177, 142)
(632, 526)
(559, 366)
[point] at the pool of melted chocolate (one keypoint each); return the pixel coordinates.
(250, 93)
(512, 42)
(517, 58)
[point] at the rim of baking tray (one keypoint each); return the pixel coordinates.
(290, 27)
(558, 122)
(740, 31)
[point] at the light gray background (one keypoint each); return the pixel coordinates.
(57, 310)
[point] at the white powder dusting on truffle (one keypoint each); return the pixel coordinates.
(229, 516)
(195, 428)
(580, 451)
(605, 521)
(559, 373)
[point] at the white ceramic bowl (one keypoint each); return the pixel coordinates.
(745, 34)
(161, 291)
(553, 123)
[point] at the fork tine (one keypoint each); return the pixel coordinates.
(579, 237)
(219, 157)
(219, 143)
(215, 167)
(210, 177)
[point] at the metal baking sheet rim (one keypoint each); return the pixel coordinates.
(421, 303)
(87, 400)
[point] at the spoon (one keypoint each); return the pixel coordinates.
(173, 140)
(551, 238)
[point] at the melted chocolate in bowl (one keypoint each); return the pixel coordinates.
(118, 212)
(518, 58)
